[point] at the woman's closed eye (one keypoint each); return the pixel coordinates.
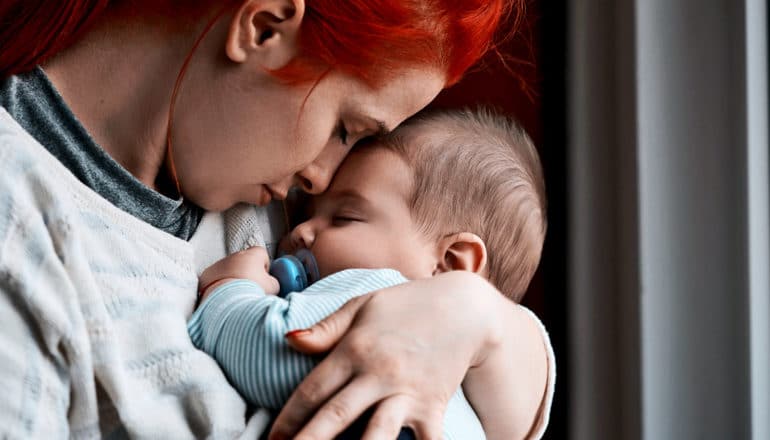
(357, 136)
(342, 132)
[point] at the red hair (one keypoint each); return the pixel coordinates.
(34, 30)
(368, 39)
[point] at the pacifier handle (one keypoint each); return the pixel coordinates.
(295, 272)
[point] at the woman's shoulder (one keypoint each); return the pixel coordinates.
(27, 175)
(35, 186)
(37, 208)
(33, 182)
(20, 152)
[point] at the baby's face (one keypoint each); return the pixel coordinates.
(364, 221)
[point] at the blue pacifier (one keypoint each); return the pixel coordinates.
(295, 272)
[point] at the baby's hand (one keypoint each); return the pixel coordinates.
(252, 264)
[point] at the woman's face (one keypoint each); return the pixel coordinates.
(248, 138)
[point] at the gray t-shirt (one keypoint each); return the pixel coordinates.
(34, 103)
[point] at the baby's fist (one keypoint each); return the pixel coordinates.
(251, 264)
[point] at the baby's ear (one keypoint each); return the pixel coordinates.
(463, 251)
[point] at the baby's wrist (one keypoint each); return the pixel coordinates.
(206, 290)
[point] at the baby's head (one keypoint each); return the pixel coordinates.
(449, 190)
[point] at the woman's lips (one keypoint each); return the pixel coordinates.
(266, 196)
(276, 194)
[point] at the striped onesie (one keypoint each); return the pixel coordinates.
(243, 329)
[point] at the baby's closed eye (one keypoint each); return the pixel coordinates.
(345, 219)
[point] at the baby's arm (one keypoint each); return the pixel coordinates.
(515, 410)
(243, 329)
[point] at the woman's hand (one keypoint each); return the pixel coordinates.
(404, 350)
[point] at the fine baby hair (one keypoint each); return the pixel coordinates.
(473, 171)
(476, 170)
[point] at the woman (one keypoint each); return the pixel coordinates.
(164, 108)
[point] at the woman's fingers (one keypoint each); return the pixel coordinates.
(418, 339)
(324, 335)
(430, 426)
(325, 379)
(388, 419)
(343, 409)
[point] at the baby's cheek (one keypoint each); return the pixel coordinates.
(326, 266)
(345, 253)
(330, 257)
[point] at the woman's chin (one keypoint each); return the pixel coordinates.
(217, 204)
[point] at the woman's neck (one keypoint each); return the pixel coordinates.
(118, 81)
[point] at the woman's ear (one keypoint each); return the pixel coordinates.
(265, 32)
(463, 251)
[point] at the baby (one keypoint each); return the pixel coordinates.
(451, 190)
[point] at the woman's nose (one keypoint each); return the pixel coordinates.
(315, 178)
(303, 236)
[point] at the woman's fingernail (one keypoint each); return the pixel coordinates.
(297, 333)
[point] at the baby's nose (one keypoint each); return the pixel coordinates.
(303, 236)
